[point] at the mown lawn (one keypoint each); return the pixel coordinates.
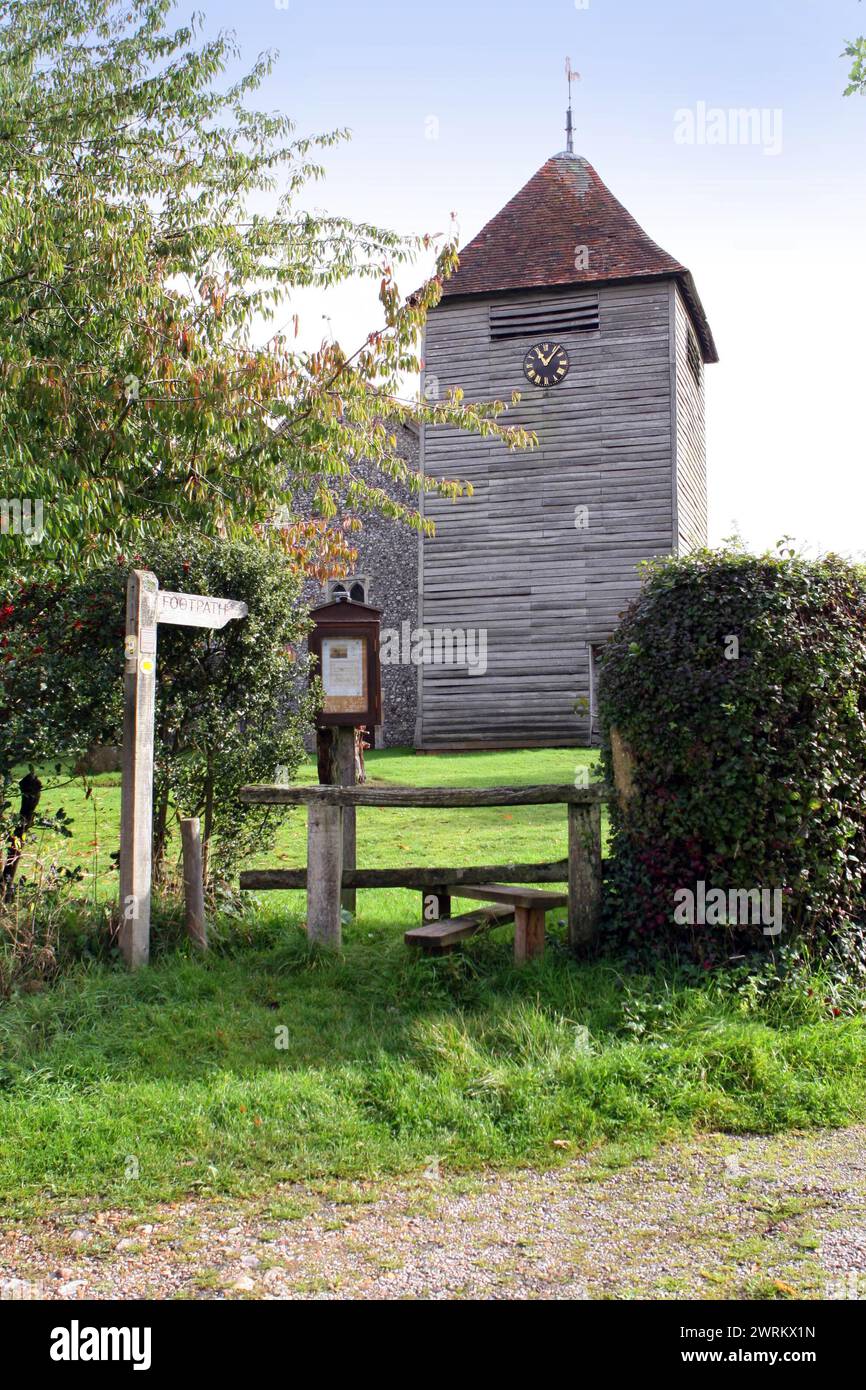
(484, 835)
(264, 1062)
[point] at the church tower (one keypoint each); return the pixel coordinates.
(563, 297)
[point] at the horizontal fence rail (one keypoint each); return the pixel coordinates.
(443, 797)
(420, 877)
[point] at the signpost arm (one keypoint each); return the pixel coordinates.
(136, 807)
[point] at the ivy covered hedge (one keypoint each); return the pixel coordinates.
(733, 708)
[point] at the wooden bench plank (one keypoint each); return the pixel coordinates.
(532, 898)
(440, 936)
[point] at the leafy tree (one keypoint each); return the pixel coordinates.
(136, 267)
(856, 51)
(232, 704)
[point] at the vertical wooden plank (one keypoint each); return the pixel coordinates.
(324, 874)
(136, 806)
(584, 873)
(528, 933)
(435, 904)
(345, 775)
(193, 881)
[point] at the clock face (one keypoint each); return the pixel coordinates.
(546, 364)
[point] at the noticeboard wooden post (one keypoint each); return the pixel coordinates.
(146, 606)
(344, 644)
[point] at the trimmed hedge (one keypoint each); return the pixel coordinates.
(732, 700)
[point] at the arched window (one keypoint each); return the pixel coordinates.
(355, 587)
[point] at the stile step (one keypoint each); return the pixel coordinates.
(531, 898)
(441, 936)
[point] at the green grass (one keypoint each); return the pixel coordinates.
(385, 837)
(132, 1088)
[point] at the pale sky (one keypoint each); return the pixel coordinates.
(453, 106)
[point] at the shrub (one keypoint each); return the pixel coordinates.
(232, 704)
(732, 700)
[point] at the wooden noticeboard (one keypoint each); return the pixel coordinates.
(345, 645)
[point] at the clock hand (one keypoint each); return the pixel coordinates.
(546, 361)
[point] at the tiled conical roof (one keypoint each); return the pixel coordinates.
(533, 242)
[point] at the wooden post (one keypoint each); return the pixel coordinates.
(136, 802)
(335, 753)
(324, 874)
(584, 873)
(528, 933)
(345, 775)
(193, 882)
(435, 904)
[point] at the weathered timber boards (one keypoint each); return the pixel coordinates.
(450, 797)
(512, 560)
(605, 442)
(414, 877)
(691, 482)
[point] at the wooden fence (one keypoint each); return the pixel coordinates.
(325, 878)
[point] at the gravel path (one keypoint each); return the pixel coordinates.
(719, 1217)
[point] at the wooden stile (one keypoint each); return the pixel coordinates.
(326, 877)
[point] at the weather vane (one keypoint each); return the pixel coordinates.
(569, 133)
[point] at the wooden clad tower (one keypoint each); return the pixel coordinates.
(563, 297)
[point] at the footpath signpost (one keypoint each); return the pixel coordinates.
(146, 606)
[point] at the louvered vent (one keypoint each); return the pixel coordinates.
(553, 321)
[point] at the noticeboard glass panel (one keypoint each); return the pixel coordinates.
(344, 675)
